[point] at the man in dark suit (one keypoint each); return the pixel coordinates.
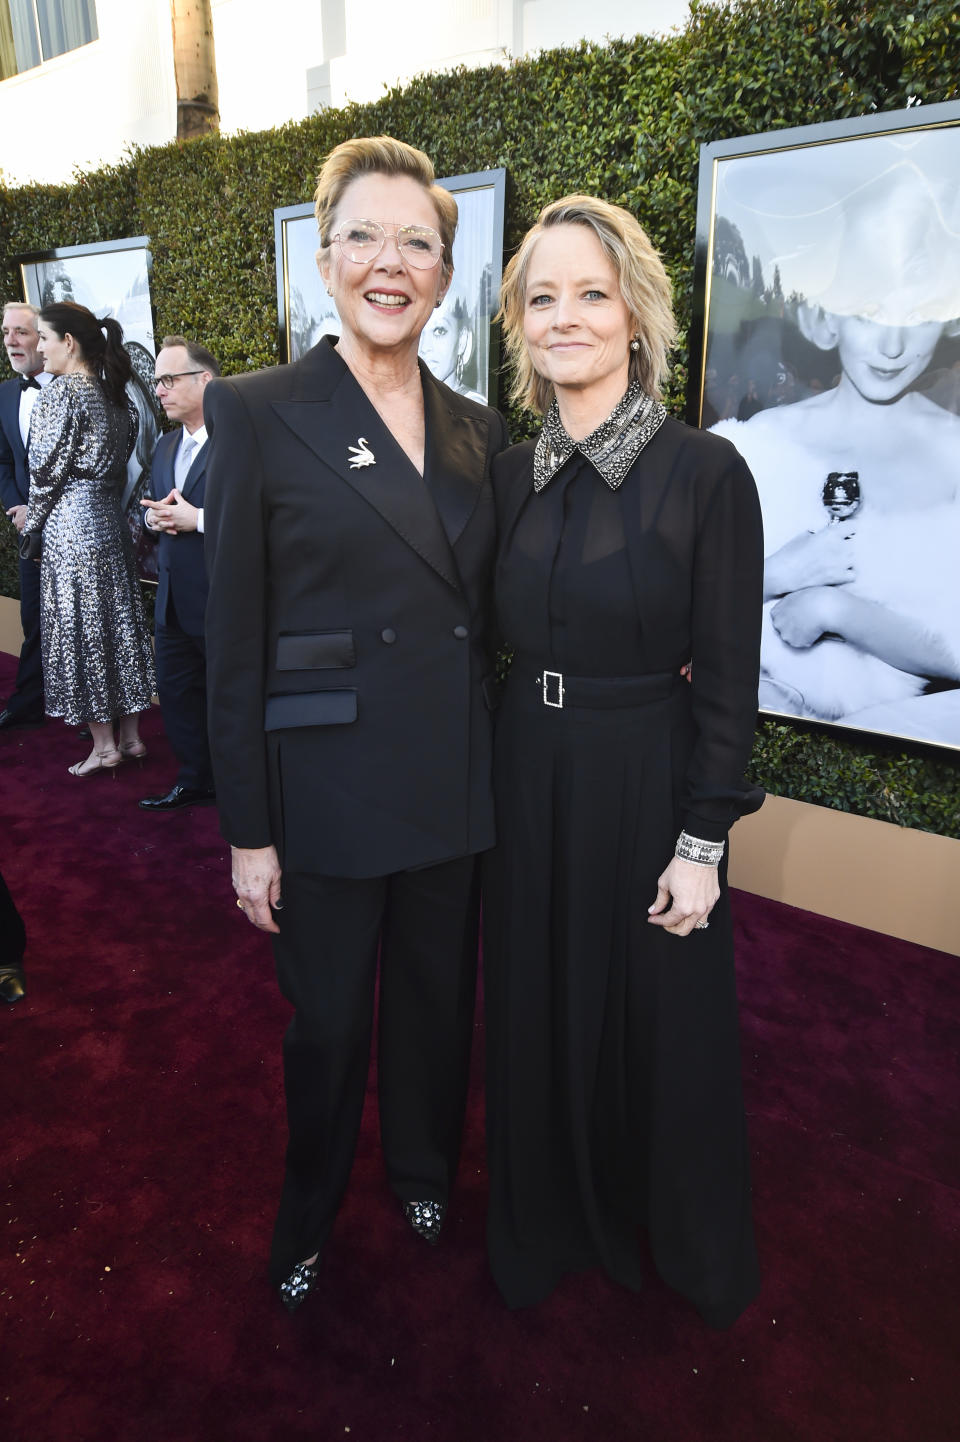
(173, 514)
(17, 397)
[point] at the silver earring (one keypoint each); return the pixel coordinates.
(635, 343)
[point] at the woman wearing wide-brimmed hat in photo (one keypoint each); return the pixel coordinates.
(859, 485)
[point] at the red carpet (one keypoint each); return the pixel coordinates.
(140, 1157)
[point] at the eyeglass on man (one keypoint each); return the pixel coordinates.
(169, 381)
(362, 241)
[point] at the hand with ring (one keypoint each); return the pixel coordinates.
(686, 894)
(256, 880)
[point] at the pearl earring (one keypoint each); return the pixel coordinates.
(635, 344)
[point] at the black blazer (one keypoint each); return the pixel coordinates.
(348, 666)
(182, 571)
(14, 475)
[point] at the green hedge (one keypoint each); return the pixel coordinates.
(625, 121)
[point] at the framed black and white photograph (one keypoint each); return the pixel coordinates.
(458, 343)
(826, 347)
(112, 277)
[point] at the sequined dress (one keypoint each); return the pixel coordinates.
(97, 657)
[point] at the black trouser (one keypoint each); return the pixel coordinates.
(182, 688)
(425, 922)
(13, 936)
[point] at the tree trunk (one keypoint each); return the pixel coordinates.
(195, 67)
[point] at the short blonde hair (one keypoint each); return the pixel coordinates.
(381, 155)
(644, 285)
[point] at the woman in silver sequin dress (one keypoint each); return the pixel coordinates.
(97, 660)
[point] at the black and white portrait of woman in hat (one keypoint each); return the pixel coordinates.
(860, 480)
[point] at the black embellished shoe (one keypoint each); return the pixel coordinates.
(426, 1219)
(11, 984)
(300, 1283)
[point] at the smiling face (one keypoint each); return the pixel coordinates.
(881, 361)
(384, 304)
(446, 339)
(576, 324)
(20, 340)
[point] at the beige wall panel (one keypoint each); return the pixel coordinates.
(888, 878)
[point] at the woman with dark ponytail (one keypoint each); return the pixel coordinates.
(97, 660)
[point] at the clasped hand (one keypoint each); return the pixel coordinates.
(172, 514)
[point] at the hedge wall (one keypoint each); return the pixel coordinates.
(624, 121)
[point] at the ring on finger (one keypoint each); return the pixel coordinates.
(701, 925)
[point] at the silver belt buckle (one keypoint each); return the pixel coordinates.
(547, 677)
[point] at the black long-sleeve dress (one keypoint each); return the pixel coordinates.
(614, 1094)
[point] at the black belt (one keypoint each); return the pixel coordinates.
(557, 689)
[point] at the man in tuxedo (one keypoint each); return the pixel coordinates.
(17, 397)
(173, 514)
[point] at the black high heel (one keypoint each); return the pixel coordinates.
(295, 1290)
(426, 1219)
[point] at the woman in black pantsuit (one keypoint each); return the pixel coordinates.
(628, 544)
(349, 537)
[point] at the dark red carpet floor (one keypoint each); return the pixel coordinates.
(140, 1156)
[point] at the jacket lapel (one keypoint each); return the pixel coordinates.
(455, 454)
(161, 469)
(330, 413)
(10, 398)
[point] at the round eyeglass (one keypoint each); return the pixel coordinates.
(362, 241)
(168, 381)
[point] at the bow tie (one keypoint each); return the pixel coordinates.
(30, 383)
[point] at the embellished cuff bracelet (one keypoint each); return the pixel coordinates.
(701, 853)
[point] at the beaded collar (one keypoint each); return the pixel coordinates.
(612, 447)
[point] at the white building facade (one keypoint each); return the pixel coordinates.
(88, 79)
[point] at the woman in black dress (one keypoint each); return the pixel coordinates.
(629, 543)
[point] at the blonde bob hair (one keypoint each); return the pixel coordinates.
(644, 285)
(381, 155)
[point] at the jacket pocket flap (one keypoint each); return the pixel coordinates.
(315, 650)
(310, 708)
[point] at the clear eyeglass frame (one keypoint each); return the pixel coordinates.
(361, 241)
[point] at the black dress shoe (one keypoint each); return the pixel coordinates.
(11, 984)
(426, 1219)
(298, 1286)
(178, 796)
(14, 721)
